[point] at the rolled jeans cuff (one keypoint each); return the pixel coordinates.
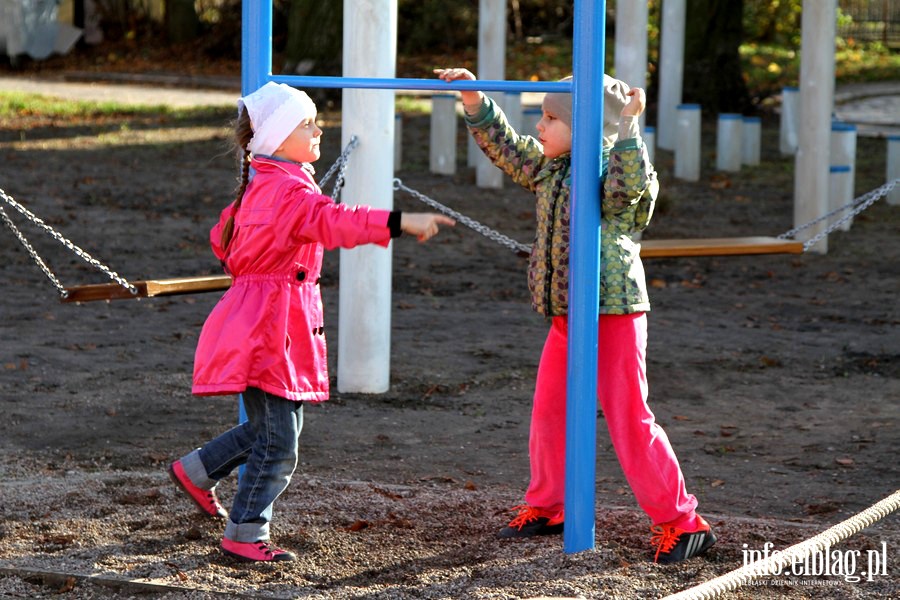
(196, 472)
(246, 532)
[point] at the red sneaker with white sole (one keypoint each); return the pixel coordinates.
(205, 500)
(675, 545)
(259, 551)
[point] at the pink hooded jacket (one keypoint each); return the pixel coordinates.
(266, 331)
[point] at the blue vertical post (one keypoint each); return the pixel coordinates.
(256, 44)
(584, 284)
(256, 68)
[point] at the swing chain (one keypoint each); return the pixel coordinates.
(37, 221)
(858, 205)
(34, 255)
(339, 166)
(503, 240)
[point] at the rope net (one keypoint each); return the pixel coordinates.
(777, 561)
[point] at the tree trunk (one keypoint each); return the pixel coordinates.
(315, 37)
(713, 76)
(182, 22)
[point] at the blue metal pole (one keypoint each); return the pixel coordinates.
(584, 284)
(256, 68)
(256, 44)
(485, 85)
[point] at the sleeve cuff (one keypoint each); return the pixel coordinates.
(393, 223)
(482, 115)
(629, 127)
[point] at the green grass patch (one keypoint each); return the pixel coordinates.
(768, 68)
(18, 104)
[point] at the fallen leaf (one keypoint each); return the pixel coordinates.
(845, 462)
(717, 483)
(358, 525)
(67, 586)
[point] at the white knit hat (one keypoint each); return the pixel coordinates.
(614, 100)
(275, 111)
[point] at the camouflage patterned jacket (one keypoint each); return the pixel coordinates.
(628, 195)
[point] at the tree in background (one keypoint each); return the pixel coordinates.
(314, 39)
(713, 77)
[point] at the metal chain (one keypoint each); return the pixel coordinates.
(339, 166)
(859, 204)
(503, 240)
(62, 240)
(34, 255)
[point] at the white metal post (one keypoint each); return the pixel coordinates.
(729, 146)
(812, 162)
(840, 192)
(751, 136)
(442, 149)
(893, 168)
(631, 45)
(398, 142)
(790, 119)
(491, 65)
(650, 142)
(671, 71)
(364, 338)
(843, 149)
(687, 142)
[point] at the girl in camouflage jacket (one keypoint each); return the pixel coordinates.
(629, 187)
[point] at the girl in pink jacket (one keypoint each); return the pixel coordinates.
(265, 337)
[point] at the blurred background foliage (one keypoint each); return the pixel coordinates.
(764, 41)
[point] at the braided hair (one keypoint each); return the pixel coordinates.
(243, 133)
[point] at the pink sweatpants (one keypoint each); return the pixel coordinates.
(644, 452)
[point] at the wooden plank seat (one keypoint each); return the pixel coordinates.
(736, 246)
(149, 288)
(649, 249)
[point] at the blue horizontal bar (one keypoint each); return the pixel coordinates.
(484, 85)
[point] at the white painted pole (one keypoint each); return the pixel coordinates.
(364, 330)
(491, 65)
(843, 148)
(530, 117)
(729, 147)
(687, 142)
(840, 192)
(671, 71)
(893, 168)
(398, 142)
(442, 153)
(631, 45)
(816, 102)
(512, 106)
(751, 137)
(473, 152)
(790, 118)
(650, 142)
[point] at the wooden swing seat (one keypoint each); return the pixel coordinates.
(149, 288)
(736, 246)
(649, 249)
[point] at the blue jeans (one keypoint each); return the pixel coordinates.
(267, 444)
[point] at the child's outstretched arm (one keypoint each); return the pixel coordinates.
(423, 225)
(472, 100)
(632, 183)
(519, 156)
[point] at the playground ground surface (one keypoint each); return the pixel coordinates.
(777, 378)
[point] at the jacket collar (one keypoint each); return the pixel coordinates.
(553, 165)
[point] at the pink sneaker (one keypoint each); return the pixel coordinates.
(205, 500)
(259, 551)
